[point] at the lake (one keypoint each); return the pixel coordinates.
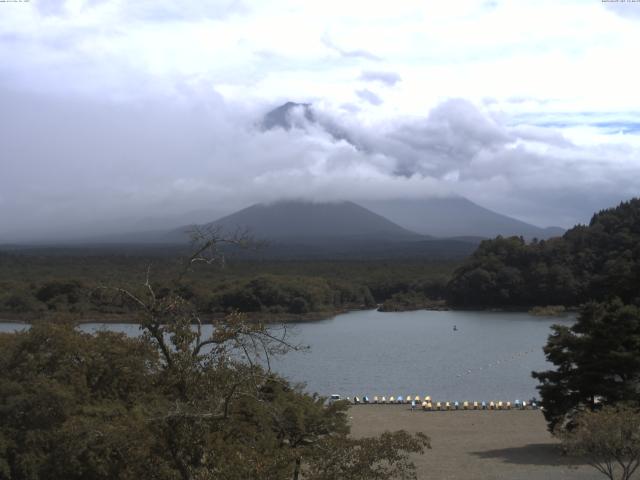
(489, 357)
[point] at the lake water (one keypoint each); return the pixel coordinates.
(489, 357)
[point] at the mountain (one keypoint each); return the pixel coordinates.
(455, 217)
(314, 222)
(347, 227)
(297, 229)
(291, 114)
(441, 217)
(284, 116)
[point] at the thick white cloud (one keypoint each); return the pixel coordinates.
(120, 108)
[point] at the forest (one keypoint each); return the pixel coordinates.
(46, 282)
(589, 262)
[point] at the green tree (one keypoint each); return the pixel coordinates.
(380, 458)
(174, 404)
(594, 262)
(69, 403)
(597, 361)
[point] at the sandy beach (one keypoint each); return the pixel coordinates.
(512, 445)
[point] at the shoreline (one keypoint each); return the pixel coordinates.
(132, 319)
(266, 317)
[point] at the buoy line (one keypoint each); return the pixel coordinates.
(498, 362)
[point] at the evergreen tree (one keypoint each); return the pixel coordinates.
(597, 362)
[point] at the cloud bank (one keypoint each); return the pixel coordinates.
(113, 111)
(66, 162)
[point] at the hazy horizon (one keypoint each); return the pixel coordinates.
(117, 115)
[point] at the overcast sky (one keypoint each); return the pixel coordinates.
(119, 112)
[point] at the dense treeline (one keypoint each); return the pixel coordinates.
(37, 285)
(591, 262)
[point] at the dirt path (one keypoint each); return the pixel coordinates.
(512, 445)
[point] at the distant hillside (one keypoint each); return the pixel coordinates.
(311, 222)
(306, 230)
(591, 262)
(456, 217)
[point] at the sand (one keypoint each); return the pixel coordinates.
(467, 445)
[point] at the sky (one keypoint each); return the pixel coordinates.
(127, 115)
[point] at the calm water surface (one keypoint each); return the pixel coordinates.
(490, 356)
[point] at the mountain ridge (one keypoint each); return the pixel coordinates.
(447, 217)
(307, 222)
(300, 220)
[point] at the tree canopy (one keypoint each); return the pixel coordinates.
(174, 403)
(597, 362)
(593, 262)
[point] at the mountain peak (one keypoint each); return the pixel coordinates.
(303, 219)
(284, 116)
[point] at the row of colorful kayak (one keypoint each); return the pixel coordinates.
(427, 404)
